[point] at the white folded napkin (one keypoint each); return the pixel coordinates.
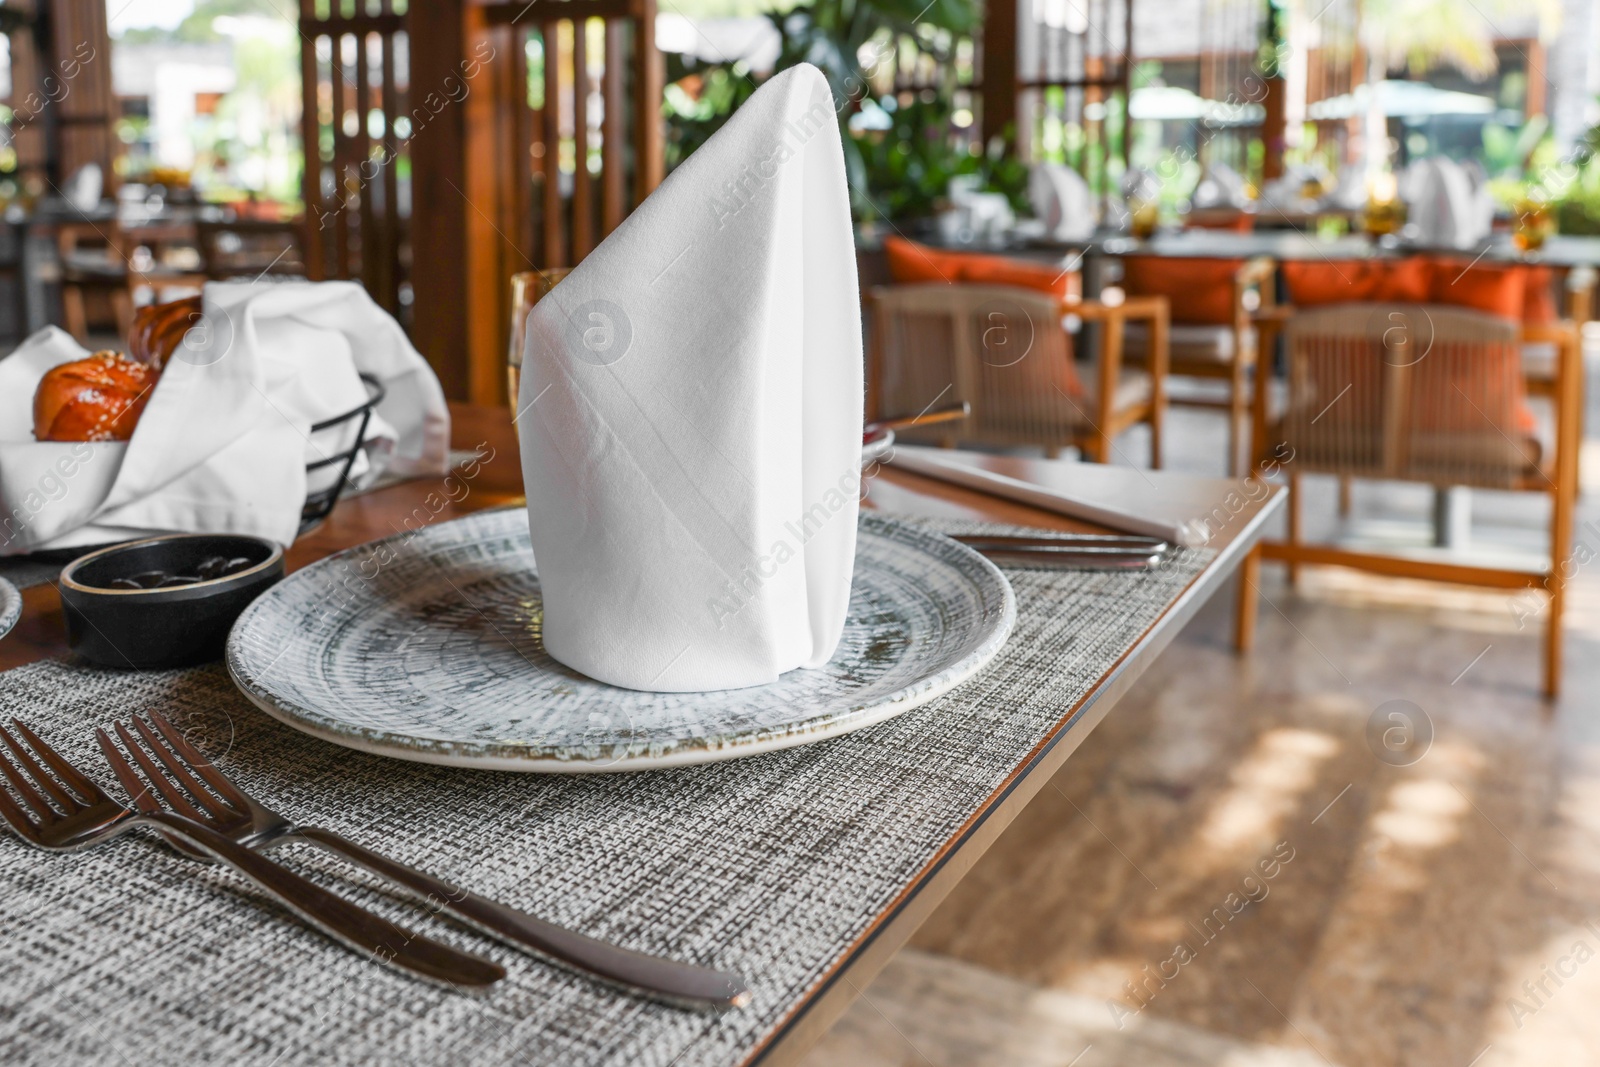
(1062, 201)
(1220, 186)
(1443, 205)
(1350, 190)
(224, 440)
(691, 415)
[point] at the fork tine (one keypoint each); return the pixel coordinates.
(155, 779)
(198, 762)
(29, 791)
(20, 820)
(125, 773)
(186, 775)
(69, 774)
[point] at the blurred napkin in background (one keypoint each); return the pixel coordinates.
(224, 440)
(1447, 207)
(1220, 186)
(1061, 199)
(691, 415)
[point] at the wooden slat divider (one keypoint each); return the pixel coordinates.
(361, 151)
(613, 150)
(389, 277)
(498, 184)
(341, 223)
(649, 71)
(522, 140)
(555, 254)
(582, 185)
(311, 150)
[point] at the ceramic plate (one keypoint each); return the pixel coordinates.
(10, 606)
(435, 656)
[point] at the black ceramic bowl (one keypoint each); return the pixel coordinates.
(175, 626)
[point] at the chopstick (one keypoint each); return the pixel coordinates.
(927, 418)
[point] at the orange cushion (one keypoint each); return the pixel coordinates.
(1313, 283)
(1197, 290)
(910, 262)
(1539, 306)
(1494, 289)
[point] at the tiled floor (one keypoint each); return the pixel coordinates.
(1440, 906)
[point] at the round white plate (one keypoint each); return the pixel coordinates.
(430, 651)
(10, 606)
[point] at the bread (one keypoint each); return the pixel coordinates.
(95, 399)
(160, 328)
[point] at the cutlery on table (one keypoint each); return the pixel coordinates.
(946, 467)
(214, 801)
(1070, 550)
(66, 810)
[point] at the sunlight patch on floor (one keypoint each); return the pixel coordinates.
(1265, 787)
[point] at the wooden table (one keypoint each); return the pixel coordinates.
(1561, 252)
(498, 480)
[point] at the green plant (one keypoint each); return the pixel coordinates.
(699, 99)
(907, 167)
(845, 40)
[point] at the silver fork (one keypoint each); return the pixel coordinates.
(66, 810)
(208, 796)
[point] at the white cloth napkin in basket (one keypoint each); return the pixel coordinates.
(691, 415)
(224, 440)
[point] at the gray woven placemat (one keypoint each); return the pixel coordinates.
(770, 866)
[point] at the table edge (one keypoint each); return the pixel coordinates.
(807, 1021)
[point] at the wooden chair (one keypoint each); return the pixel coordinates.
(100, 259)
(1005, 351)
(94, 268)
(252, 248)
(1431, 394)
(1225, 352)
(1539, 352)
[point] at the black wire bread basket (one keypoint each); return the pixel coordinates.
(322, 493)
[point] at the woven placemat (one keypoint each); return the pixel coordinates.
(769, 866)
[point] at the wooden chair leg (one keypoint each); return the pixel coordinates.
(74, 314)
(1564, 501)
(1345, 484)
(122, 307)
(1244, 618)
(1552, 639)
(1563, 504)
(1238, 414)
(1293, 507)
(1158, 417)
(1100, 446)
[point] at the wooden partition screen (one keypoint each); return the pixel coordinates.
(1052, 68)
(574, 156)
(566, 144)
(452, 143)
(77, 77)
(356, 127)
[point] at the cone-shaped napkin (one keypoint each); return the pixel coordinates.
(690, 415)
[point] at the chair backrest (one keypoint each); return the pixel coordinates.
(1414, 392)
(247, 248)
(1001, 349)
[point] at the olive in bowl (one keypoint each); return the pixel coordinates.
(165, 602)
